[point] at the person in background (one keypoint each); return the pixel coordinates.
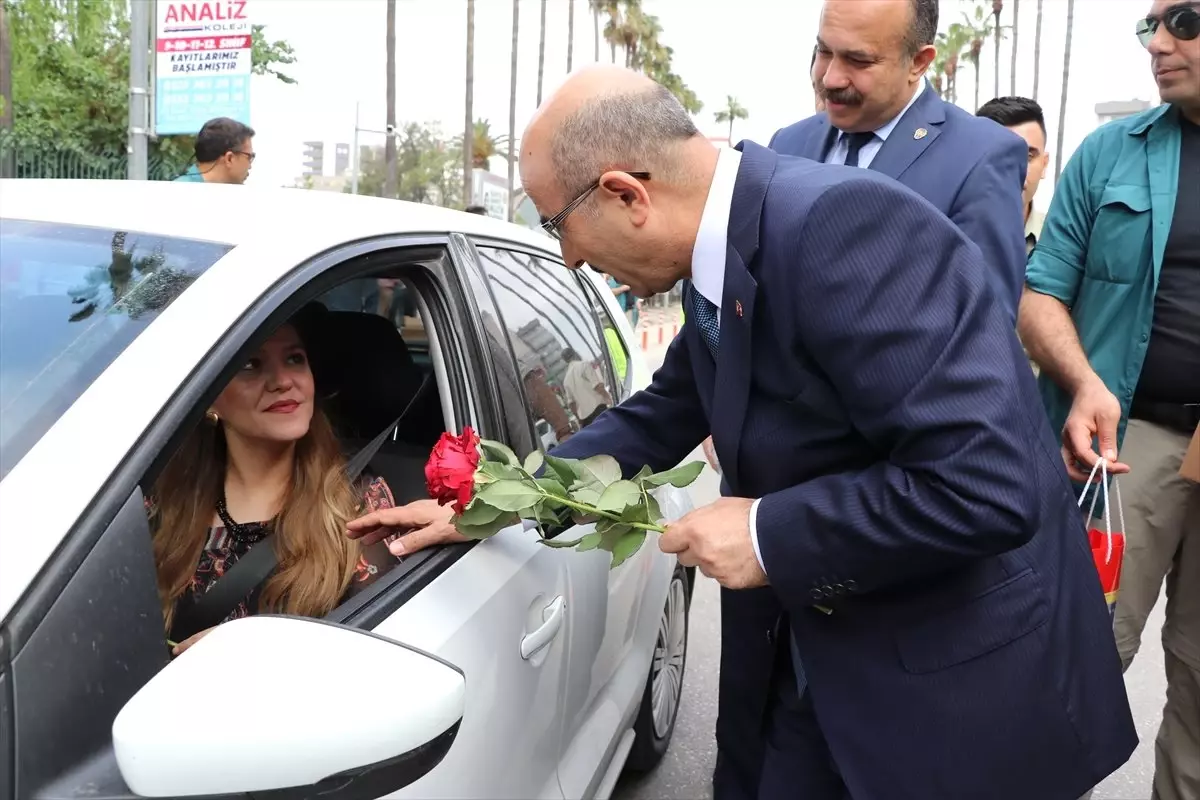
(224, 153)
(629, 304)
(1024, 117)
(882, 114)
(1111, 314)
(585, 388)
(480, 210)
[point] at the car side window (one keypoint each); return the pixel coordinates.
(621, 379)
(552, 328)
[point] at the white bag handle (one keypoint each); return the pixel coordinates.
(1102, 465)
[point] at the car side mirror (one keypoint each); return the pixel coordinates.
(297, 708)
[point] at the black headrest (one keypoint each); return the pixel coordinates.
(363, 370)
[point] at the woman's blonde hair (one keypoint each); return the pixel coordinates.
(316, 560)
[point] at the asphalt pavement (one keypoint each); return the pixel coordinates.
(686, 770)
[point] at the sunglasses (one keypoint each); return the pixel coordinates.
(1182, 22)
(553, 226)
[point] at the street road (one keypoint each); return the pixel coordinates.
(686, 769)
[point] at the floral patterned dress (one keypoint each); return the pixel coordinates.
(224, 547)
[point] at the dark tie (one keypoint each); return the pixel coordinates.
(705, 315)
(854, 143)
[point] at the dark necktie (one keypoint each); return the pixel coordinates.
(705, 315)
(854, 143)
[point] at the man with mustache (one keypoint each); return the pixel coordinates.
(880, 113)
(1111, 314)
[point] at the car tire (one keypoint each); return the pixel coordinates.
(664, 686)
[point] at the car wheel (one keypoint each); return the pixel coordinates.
(660, 703)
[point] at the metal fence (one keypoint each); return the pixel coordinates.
(72, 164)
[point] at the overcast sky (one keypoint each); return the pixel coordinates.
(756, 50)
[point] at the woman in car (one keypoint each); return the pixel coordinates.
(263, 469)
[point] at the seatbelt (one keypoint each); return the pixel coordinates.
(260, 560)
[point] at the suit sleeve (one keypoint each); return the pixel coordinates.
(1057, 263)
(892, 305)
(990, 211)
(656, 427)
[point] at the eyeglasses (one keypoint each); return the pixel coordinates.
(249, 156)
(1182, 22)
(553, 226)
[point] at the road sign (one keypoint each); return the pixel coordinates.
(202, 63)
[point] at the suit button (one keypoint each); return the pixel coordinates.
(770, 636)
(839, 588)
(851, 586)
(816, 594)
(827, 590)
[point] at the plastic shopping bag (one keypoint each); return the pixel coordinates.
(1108, 546)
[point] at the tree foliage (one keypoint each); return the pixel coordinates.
(639, 36)
(428, 167)
(70, 78)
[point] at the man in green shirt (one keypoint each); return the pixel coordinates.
(224, 153)
(1111, 314)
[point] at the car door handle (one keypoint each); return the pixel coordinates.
(541, 636)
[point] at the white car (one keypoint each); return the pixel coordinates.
(498, 669)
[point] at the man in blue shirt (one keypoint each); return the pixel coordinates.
(1111, 314)
(224, 153)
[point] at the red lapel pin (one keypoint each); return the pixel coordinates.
(737, 307)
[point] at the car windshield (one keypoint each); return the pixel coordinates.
(72, 298)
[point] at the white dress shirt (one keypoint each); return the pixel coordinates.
(841, 147)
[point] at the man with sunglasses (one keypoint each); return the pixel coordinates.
(1111, 314)
(894, 532)
(224, 153)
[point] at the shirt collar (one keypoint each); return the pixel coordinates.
(885, 130)
(708, 254)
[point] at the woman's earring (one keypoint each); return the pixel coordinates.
(211, 417)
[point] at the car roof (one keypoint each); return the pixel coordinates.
(313, 220)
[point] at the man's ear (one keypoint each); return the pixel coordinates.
(629, 191)
(923, 58)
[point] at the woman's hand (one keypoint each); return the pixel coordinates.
(407, 529)
(188, 642)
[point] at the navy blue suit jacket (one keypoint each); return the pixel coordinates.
(876, 397)
(969, 168)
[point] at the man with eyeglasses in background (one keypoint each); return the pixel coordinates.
(224, 153)
(1111, 314)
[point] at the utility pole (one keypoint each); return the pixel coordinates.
(140, 12)
(354, 153)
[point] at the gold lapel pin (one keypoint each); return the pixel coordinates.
(737, 307)
(920, 133)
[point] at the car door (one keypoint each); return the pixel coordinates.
(547, 312)
(499, 613)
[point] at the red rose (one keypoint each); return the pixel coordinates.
(450, 471)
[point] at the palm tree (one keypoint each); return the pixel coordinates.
(596, 7)
(484, 146)
(571, 33)
(1012, 70)
(389, 186)
(950, 46)
(997, 35)
(979, 28)
(541, 54)
(612, 28)
(512, 105)
(468, 125)
(1062, 103)
(733, 110)
(1037, 51)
